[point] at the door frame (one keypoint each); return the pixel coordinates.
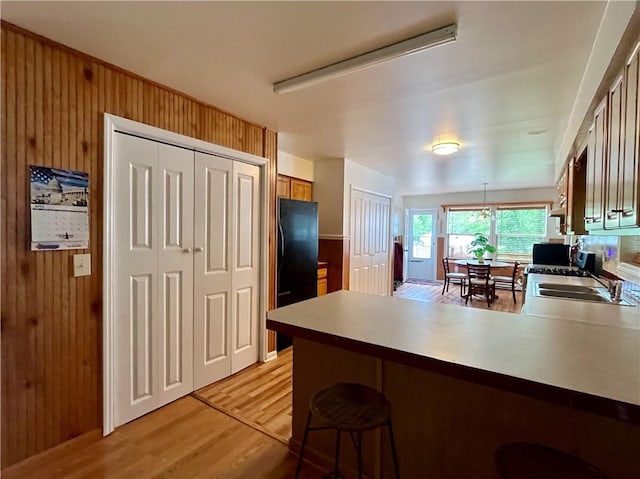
(112, 125)
(434, 235)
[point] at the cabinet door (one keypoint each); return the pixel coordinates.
(212, 301)
(630, 167)
(322, 281)
(283, 189)
(614, 155)
(596, 163)
(301, 190)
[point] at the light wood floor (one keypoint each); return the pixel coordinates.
(433, 293)
(259, 396)
(236, 428)
(185, 439)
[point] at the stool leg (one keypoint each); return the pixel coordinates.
(356, 439)
(304, 441)
(337, 474)
(393, 451)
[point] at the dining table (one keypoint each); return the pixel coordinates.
(492, 263)
(475, 262)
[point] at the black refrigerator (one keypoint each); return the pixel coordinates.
(297, 255)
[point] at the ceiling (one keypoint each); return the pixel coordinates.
(504, 90)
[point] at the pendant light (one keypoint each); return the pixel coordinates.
(485, 212)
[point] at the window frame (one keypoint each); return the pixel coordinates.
(493, 221)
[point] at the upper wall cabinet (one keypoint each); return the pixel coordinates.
(596, 151)
(613, 165)
(628, 202)
(294, 188)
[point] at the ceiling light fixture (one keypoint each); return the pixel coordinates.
(399, 49)
(445, 148)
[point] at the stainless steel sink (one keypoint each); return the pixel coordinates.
(577, 293)
(568, 287)
(574, 295)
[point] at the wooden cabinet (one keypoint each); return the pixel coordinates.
(629, 169)
(294, 188)
(301, 190)
(283, 188)
(614, 156)
(575, 195)
(322, 279)
(596, 153)
(613, 165)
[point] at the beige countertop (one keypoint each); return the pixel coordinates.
(581, 311)
(586, 364)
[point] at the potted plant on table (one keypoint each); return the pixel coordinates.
(479, 246)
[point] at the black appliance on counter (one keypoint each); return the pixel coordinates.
(552, 254)
(590, 262)
(297, 255)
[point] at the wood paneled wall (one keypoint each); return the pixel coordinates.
(52, 100)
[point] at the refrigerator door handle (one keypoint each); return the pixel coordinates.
(281, 252)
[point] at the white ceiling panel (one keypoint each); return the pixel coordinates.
(504, 90)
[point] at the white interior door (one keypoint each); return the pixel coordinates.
(153, 275)
(360, 261)
(370, 241)
(380, 242)
(246, 266)
(421, 244)
(213, 256)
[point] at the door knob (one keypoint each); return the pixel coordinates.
(186, 250)
(198, 249)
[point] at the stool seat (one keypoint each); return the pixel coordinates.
(353, 409)
(522, 460)
(350, 407)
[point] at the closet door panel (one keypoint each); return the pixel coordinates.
(136, 277)
(369, 270)
(246, 265)
(175, 269)
(213, 250)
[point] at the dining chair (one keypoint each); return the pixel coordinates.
(452, 277)
(480, 282)
(509, 281)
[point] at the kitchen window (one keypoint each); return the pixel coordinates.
(512, 229)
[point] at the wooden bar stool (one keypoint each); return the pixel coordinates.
(351, 408)
(523, 460)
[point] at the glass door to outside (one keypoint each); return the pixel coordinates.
(422, 244)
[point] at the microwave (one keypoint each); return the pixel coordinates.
(554, 254)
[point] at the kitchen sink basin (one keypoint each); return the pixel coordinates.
(568, 287)
(574, 295)
(577, 293)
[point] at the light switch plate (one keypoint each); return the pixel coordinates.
(81, 265)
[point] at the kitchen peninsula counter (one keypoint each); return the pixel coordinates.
(464, 380)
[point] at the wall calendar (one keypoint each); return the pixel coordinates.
(59, 209)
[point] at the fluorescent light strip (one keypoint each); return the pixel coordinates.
(395, 50)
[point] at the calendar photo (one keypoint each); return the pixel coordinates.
(59, 209)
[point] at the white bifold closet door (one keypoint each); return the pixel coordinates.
(370, 240)
(187, 249)
(154, 275)
(226, 273)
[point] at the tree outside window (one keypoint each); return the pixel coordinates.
(514, 230)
